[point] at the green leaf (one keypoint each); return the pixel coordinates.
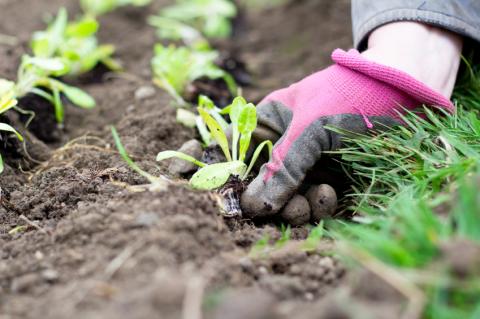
(216, 175)
(172, 29)
(205, 102)
(78, 97)
(217, 132)
(7, 100)
(97, 7)
(86, 27)
(7, 128)
(260, 248)
(6, 87)
(256, 154)
(235, 110)
(218, 27)
(46, 43)
(285, 237)
(314, 238)
(123, 153)
(47, 64)
(247, 122)
(170, 154)
(211, 16)
(57, 103)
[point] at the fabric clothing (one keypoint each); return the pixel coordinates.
(459, 16)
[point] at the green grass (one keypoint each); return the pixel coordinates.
(415, 189)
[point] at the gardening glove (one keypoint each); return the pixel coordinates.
(354, 94)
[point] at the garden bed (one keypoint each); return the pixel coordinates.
(94, 246)
(101, 250)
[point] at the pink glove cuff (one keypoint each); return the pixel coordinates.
(396, 78)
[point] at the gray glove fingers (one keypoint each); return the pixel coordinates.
(265, 197)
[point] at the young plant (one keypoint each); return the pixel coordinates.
(174, 68)
(75, 43)
(175, 30)
(156, 183)
(286, 234)
(244, 122)
(207, 104)
(190, 119)
(212, 17)
(314, 238)
(261, 247)
(99, 7)
(38, 75)
(7, 101)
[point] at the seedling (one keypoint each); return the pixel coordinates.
(7, 101)
(156, 183)
(314, 238)
(174, 30)
(244, 121)
(261, 247)
(174, 68)
(75, 43)
(38, 76)
(99, 7)
(285, 237)
(190, 119)
(207, 104)
(212, 17)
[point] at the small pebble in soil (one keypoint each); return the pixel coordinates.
(213, 154)
(50, 275)
(39, 255)
(144, 92)
(323, 201)
(297, 211)
(178, 166)
(309, 296)
(262, 270)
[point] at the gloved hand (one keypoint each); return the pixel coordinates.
(354, 94)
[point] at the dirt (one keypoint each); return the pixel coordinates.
(92, 243)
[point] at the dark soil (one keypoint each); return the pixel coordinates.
(95, 245)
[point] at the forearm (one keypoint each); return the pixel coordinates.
(427, 53)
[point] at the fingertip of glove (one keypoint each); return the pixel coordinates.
(255, 204)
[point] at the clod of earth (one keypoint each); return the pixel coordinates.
(178, 166)
(323, 201)
(297, 212)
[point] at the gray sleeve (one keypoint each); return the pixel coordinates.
(459, 16)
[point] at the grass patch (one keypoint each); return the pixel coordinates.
(415, 193)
